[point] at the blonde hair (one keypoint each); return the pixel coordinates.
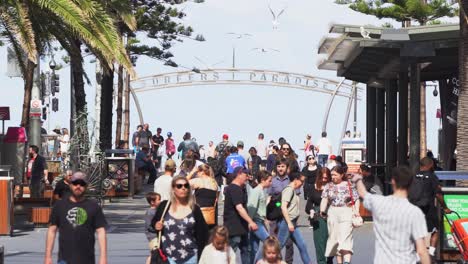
(206, 169)
(190, 198)
(220, 231)
(272, 242)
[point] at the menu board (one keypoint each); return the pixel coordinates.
(459, 204)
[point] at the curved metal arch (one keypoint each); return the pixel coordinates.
(241, 77)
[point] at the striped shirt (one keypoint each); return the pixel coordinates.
(397, 225)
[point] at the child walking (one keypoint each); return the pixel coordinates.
(271, 252)
(153, 199)
(218, 251)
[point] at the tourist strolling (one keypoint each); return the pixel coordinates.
(163, 184)
(338, 196)
(290, 156)
(184, 230)
(372, 183)
(279, 182)
(254, 161)
(170, 146)
(399, 226)
(324, 148)
(319, 224)
(272, 159)
(236, 218)
(262, 147)
(187, 144)
(77, 219)
(287, 227)
(206, 193)
(62, 188)
(145, 136)
(256, 207)
(233, 161)
(218, 251)
(37, 172)
(136, 138)
(310, 172)
(271, 252)
(221, 147)
(424, 190)
(157, 141)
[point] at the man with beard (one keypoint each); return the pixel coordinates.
(279, 182)
(77, 219)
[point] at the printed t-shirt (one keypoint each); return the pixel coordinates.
(77, 223)
(233, 161)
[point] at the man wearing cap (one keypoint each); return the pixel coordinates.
(241, 150)
(236, 218)
(163, 184)
(77, 219)
(221, 147)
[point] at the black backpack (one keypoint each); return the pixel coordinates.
(273, 210)
(421, 192)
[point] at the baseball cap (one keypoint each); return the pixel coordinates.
(240, 143)
(170, 164)
(333, 157)
(240, 169)
(79, 176)
(225, 136)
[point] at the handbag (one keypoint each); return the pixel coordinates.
(356, 219)
(209, 213)
(157, 255)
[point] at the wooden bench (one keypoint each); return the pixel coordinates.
(37, 209)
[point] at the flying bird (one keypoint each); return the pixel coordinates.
(364, 33)
(240, 35)
(276, 17)
(264, 50)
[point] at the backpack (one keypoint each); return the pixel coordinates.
(273, 210)
(421, 192)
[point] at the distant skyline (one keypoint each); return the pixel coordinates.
(240, 111)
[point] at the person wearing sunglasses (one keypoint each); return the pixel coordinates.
(183, 227)
(310, 172)
(77, 219)
(290, 155)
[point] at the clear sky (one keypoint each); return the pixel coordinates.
(240, 111)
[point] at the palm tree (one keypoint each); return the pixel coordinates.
(87, 20)
(462, 125)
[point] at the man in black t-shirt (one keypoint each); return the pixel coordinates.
(236, 218)
(62, 188)
(77, 219)
(158, 142)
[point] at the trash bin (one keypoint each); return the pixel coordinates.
(6, 201)
(13, 152)
(119, 179)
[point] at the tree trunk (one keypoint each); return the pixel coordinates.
(462, 126)
(126, 134)
(118, 128)
(105, 129)
(28, 84)
(81, 122)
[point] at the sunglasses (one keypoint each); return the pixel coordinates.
(180, 185)
(79, 182)
(311, 158)
(285, 148)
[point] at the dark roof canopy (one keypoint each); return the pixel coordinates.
(370, 54)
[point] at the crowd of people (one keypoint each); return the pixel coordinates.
(261, 190)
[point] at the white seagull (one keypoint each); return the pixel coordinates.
(264, 50)
(364, 33)
(276, 17)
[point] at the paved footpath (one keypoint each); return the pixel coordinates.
(127, 243)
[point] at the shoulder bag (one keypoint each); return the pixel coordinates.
(157, 255)
(356, 218)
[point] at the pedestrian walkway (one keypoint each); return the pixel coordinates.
(127, 243)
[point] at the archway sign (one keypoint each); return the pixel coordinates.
(236, 76)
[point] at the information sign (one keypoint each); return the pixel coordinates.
(459, 204)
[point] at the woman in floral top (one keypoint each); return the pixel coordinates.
(336, 196)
